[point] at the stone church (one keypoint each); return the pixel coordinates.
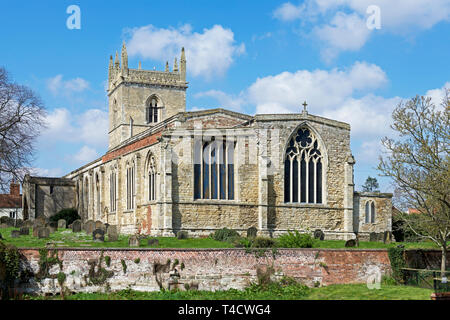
(168, 169)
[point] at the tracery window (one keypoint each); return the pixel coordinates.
(370, 211)
(152, 180)
(303, 169)
(214, 170)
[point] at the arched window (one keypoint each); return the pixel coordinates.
(130, 186)
(214, 170)
(152, 180)
(152, 110)
(97, 192)
(303, 169)
(112, 190)
(370, 211)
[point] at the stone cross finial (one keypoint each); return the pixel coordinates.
(304, 107)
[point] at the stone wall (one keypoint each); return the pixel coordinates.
(207, 269)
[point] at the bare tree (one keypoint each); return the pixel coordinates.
(21, 119)
(418, 163)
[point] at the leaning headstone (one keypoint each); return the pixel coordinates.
(44, 233)
(133, 241)
(15, 233)
(387, 237)
(76, 226)
(24, 231)
(98, 235)
(61, 224)
(251, 232)
(113, 234)
(350, 243)
(52, 226)
(89, 227)
(318, 234)
(153, 242)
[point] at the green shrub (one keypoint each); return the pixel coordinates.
(295, 240)
(70, 215)
(225, 234)
(262, 242)
(397, 262)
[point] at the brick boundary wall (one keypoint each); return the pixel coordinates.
(206, 269)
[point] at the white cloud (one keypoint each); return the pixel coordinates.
(340, 25)
(41, 172)
(226, 101)
(208, 54)
(85, 154)
(90, 127)
(346, 32)
(58, 86)
(437, 95)
(288, 12)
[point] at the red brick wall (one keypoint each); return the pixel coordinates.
(212, 269)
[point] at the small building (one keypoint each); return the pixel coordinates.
(11, 204)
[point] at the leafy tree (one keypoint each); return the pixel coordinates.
(21, 118)
(418, 163)
(371, 185)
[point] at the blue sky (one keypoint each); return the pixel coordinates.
(247, 56)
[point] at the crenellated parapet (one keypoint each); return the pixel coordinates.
(119, 73)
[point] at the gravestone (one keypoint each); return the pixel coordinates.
(24, 231)
(251, 232)
(106, 227)
(373, 237)
(113, 234)
(36, 231)
(15, 233)
(318, 234)
(98, 235)
(99, 225)
(89, 227)
(133, 241)
(44, 232)
(350, 243)
(52, 226)
(76, 226)
(69, 226)
(61, 224)
(153, 242)
(18, 223)
(387, 237)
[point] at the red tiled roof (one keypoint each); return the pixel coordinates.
(10, 201)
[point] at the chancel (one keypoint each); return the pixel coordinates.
(168, 169)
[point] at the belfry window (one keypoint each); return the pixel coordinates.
(214, 170)
(303, 169)
(370, 211)
(152, 111)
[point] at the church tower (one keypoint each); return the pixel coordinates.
(140, 99)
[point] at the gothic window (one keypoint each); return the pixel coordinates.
(152, 180)
(214, 170)
(97, 191)
(130, 187)
(152, 110)
(112, 190)
(370, 211)
(303, 169)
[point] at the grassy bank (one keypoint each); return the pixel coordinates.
(66, 238)
(273, 292)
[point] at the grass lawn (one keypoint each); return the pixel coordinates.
(66, 238)
(275, 292)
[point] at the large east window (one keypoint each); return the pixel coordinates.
(214, 169)
(303, 169)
